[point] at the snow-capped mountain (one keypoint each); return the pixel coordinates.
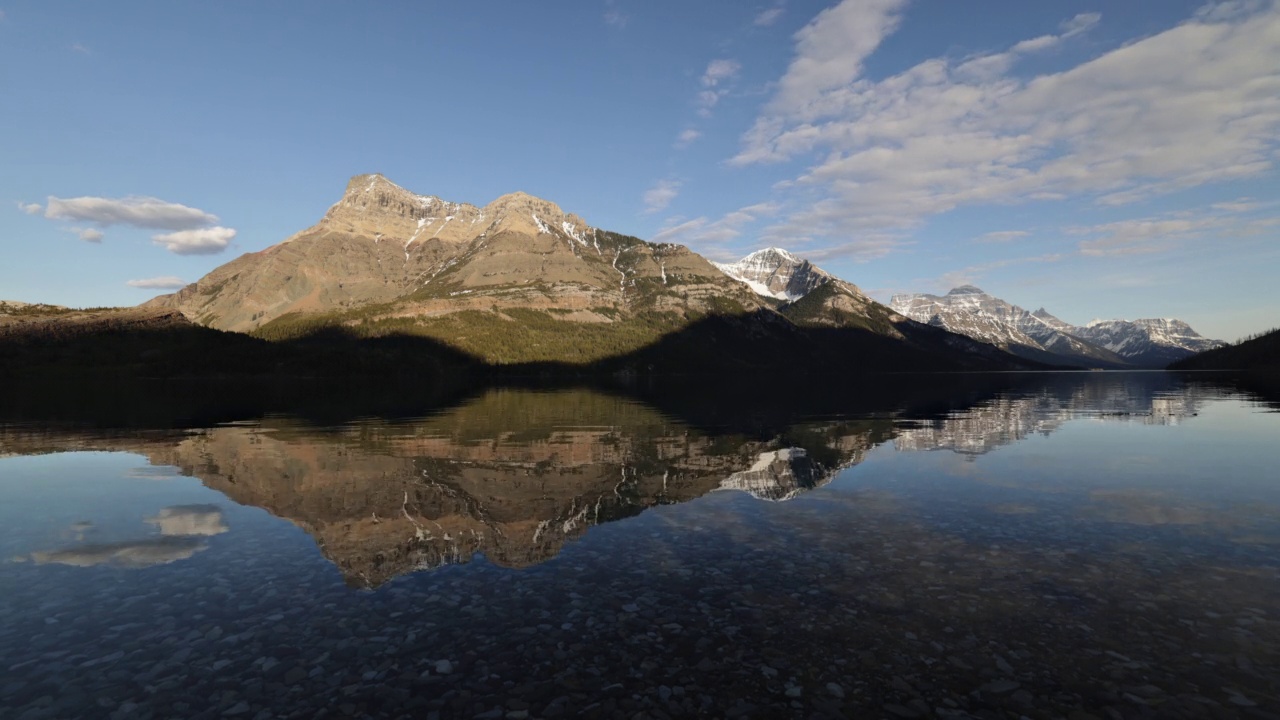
(776, 273)
(970, 311)
(1150, 342)
(1041, 336)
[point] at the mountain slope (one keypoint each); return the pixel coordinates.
(776, 273)
(1257, 353)
(1037, 336)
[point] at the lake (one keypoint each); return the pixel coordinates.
(1063, 545)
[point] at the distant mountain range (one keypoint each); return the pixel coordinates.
(1042, 337)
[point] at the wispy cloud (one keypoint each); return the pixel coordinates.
(1192, 105)
(704, 232)
(30, 208)
(718, 73)
(166, 282)
(686, 137)
(92, 235)
(82, 49)
(1153, 234)
(204, 241)
(613, 16)
(974, 273)
(660, 195)
(768, 17)
(1003, 236)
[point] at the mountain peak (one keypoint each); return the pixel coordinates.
(772, 253)
(966, 290)
(520, 200)
(776, 273)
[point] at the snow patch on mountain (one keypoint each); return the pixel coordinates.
(776, 273)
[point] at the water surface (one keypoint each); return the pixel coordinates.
(1096, 543)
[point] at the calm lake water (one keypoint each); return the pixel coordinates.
(1046, 546)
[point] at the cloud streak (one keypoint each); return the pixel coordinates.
(768, 17)
(660, 195)
(165, 282)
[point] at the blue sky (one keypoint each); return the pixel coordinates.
(1099, 159)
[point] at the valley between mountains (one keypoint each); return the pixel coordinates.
(392, 281)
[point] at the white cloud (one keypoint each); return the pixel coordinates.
(768, 17)
(30, 208)
(204, 241)
(1137, 236)
(704, 231)
(831, 48)
(146, 212)
(861, 250)
(92, 235)
(1003, 236)
(613, 16)
(686, 137)
(1195, 104)
(1080, 23)
(82, 49)
(972, 274)
(660, 195)
(720, 70)
(166, 282)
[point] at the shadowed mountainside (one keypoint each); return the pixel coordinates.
(1261, 353)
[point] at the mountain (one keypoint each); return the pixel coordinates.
(1260, 352)
(776, 273)
(1147, 343)
(1041, 336)
(521, 281)
(381, 243)
(1038, 336)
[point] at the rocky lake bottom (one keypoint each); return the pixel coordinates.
(1093, 545)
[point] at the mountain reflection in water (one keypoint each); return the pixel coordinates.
(515, 475)
(1048, 546)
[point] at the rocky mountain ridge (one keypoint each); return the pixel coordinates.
(1041, 336)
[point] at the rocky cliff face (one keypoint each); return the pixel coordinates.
(776, 273)
(421, 256)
